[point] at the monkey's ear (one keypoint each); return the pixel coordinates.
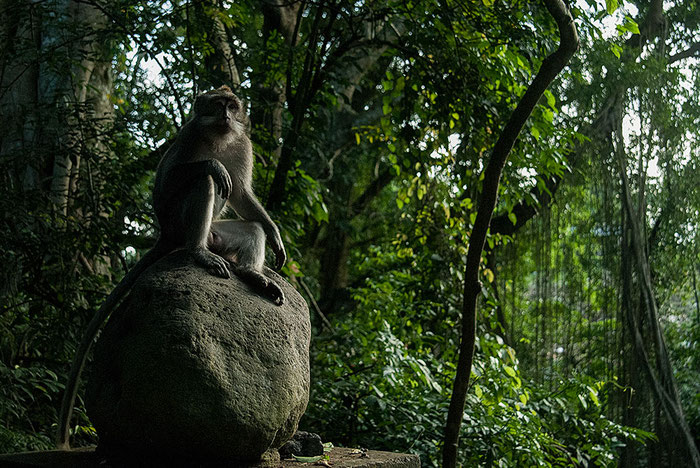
(237, 101)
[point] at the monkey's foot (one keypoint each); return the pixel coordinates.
(260, 283)
(215, 264)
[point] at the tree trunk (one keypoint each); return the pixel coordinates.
(55, 107)
(334, 271)
(551, 67)
(662, 381)
(279, 17)
(54, 112)
(630, 399)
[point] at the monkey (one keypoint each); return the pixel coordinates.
(208, 167)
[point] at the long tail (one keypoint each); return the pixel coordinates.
(156, 253)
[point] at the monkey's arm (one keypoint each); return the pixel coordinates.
(248, 207)
(179, 175)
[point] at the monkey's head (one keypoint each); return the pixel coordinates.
(220, 111)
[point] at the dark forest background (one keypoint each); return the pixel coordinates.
(372, 123)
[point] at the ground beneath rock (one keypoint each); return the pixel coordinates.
(339, 457)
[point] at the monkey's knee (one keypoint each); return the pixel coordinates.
(256, 230)
(251, 253)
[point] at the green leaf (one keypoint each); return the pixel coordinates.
(379, 393)
(513, 218)
(632, 26)
(548, 115)
(551, 100)
(510, 371)
(616, 49)
(594, 396)
(583, 401)
(611, 6)
(629, 25)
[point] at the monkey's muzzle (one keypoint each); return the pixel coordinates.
(224, 125)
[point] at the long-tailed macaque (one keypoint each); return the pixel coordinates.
(210, 164)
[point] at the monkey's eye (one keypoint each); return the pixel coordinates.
(233, 105)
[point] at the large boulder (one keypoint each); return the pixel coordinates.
(200, 366)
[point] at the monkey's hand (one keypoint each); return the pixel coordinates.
(278, 249)
(216, 265)
(222, 179)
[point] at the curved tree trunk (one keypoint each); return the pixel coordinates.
(551, 67)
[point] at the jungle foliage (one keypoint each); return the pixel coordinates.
(372, 123)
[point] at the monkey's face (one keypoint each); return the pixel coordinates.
(219, 112)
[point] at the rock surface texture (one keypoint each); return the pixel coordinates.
(201, 367)
(303, 444)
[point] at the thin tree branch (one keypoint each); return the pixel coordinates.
(318, 310)
(372, 190)
(309, 85)
(689, 52)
